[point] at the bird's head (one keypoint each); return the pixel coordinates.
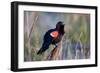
(60, 27)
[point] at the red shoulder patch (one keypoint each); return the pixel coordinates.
(54, 34)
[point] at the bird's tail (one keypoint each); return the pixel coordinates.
(40, 51)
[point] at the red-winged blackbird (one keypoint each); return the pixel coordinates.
(52, 36)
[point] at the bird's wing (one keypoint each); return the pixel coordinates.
(54, 34)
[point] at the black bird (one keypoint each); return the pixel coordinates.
(52, 36)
